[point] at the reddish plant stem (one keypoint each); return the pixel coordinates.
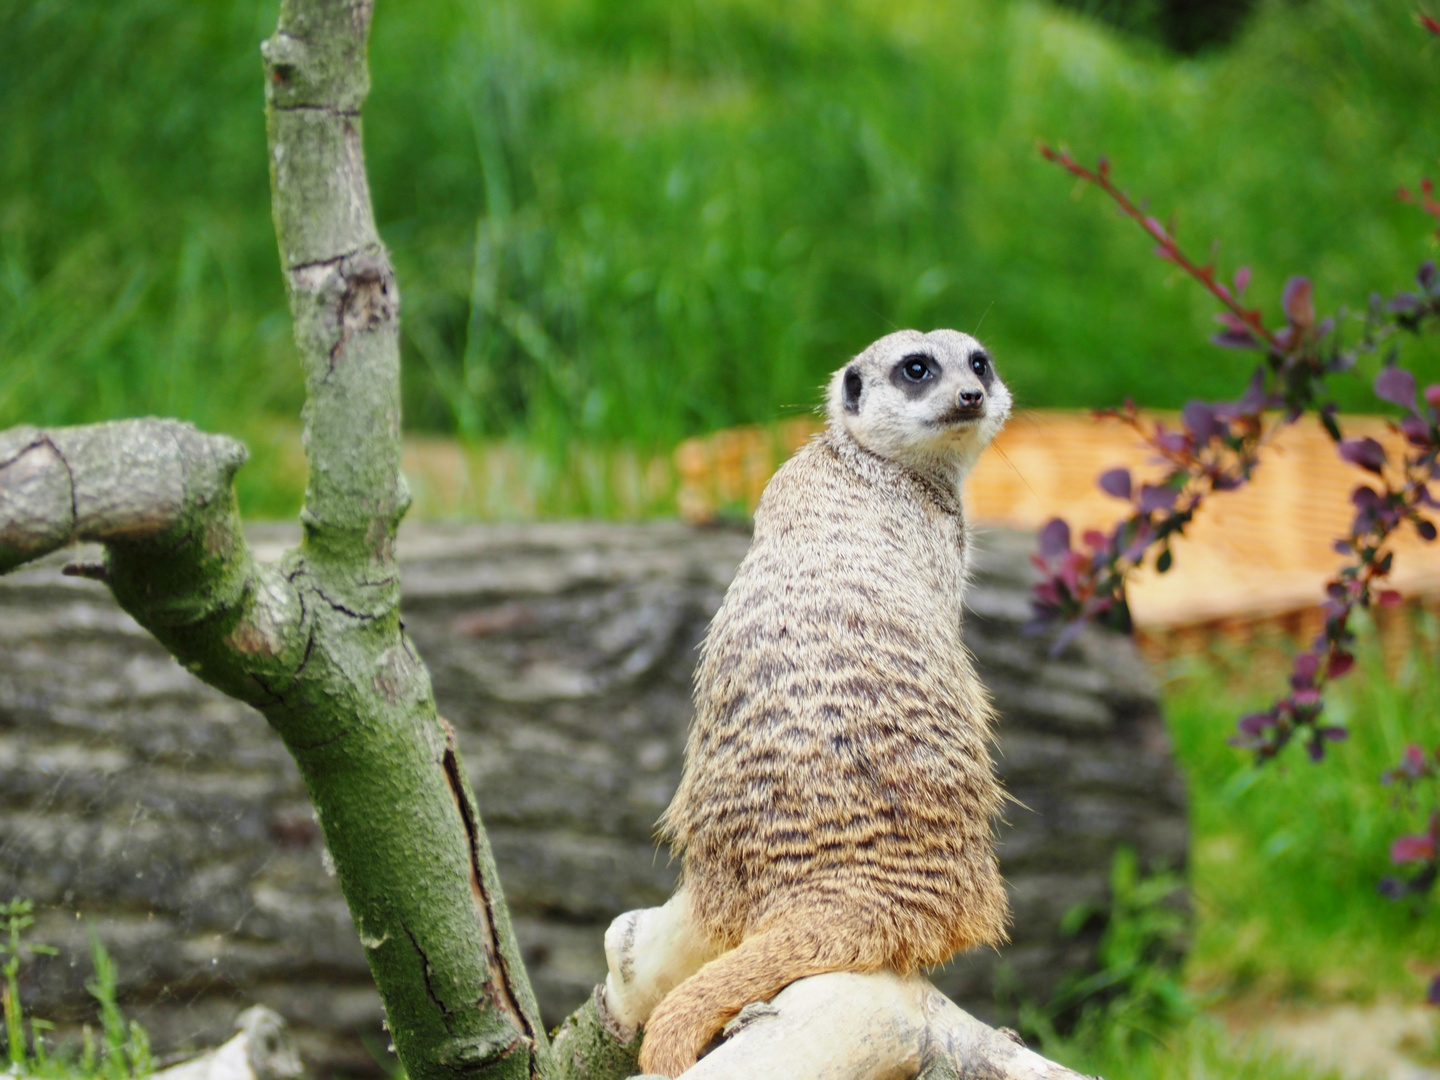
(1169, 249)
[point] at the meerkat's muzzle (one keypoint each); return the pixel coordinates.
(968, 408)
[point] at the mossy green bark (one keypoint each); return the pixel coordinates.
(315, 641)
(358, 713)
(589, 1046)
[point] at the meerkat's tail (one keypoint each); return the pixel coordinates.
(757, 969)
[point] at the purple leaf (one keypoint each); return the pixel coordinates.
(1235, 339)
(1432, 995)
(1242, 279)
(1225, 411)
(1172, 442)
(1116, 482)
(1306, 665)
(1365, 497)
(1256, 723)
(1144, 534)
(1340, 664)
(1066, 636)
(1054, 538)
(1397, 386)
(1298, 302)
(1254, 398)
(1333, 734)
(1199, 418)
(1154, 497)
(1432, 395)
(1427, 277)
(1404, 302)
(1413, 760)
(1416, 847)
(1416, 430)
(1364, 452)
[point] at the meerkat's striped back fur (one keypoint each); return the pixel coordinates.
(836, 807)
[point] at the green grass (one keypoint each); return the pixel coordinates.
(1200, 1050)
(1287, 858)
(1285, 861)
(120, 1052)
(624, 225)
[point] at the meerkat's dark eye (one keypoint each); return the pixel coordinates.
(916, 368)
(979, 363)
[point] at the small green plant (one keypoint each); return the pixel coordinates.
(126, 1049)
(19, 917)
(123, 1052)
(1136, 992)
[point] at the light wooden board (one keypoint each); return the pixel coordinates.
(1251, 555)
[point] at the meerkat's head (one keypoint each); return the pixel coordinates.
(921, 400)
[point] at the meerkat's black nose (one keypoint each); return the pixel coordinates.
(970, 400)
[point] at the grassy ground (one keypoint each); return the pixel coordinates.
(1285, 865)
(626, 225)
(1287, 858)
(1200, 1050)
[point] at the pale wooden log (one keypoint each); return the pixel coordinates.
(838, 1026)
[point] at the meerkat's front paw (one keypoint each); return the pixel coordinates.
(650, 952)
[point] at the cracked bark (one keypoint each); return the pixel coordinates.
(441, 949)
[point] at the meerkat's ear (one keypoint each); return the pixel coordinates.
(850, 388)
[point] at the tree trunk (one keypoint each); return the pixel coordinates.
(315, 643)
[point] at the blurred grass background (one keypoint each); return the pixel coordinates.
(1285, 862)
(619, 225)
(1287, 858)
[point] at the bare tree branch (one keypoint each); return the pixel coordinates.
(840, 1026)
(398, 815)
(126, 482)
(869, 1027)
(315, 640)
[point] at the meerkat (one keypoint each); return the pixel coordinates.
(835, 810)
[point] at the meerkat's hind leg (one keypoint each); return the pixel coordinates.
(649, 953)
